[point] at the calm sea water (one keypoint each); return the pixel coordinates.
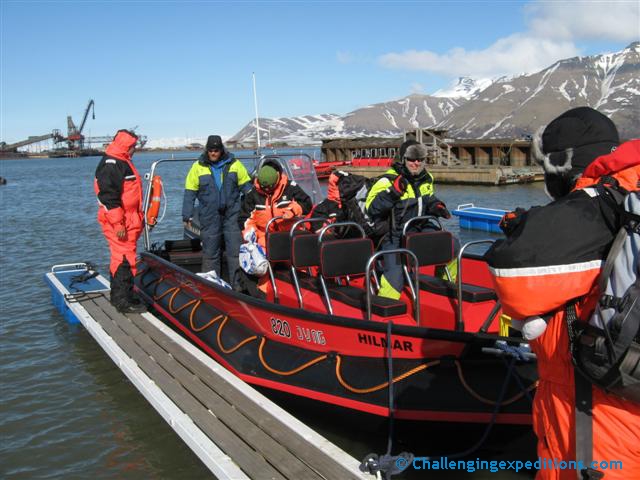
(67, 411)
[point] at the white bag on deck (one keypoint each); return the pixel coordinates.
(253, 259)
(213, 277)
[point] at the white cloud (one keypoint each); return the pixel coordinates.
(604, 20)
(550, 37)
(514, 54)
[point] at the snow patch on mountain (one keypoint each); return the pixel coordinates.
(464, 87)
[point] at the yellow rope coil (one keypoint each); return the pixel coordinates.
(482, 399)
(197, 302)
(417, 369)
(290, 372)
(166, 292)
(206, 325)
(232, 349)
(182, 307)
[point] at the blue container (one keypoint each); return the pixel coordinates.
(478, 218)
(65, 284)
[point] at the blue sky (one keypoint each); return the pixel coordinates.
(184, 69)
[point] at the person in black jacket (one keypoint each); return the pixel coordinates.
(405, 191)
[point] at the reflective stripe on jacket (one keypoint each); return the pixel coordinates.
(382, 206)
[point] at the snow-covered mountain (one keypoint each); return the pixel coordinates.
(516, 106)
(386, 119)
(500, 108)
(307, 129)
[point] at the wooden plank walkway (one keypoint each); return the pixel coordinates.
(236, 431)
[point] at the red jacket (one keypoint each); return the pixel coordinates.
(555, 255)
(118, 185)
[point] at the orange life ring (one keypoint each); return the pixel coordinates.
(154, 203)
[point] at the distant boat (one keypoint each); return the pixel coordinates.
(3, 181)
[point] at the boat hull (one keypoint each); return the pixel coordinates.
(439, 375)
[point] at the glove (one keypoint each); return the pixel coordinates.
(288, 214)
(511, 220)
(439, 209)
(533, 328)
(399, 186)
(121, 231)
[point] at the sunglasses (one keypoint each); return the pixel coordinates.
(415, 160)
(214, 150)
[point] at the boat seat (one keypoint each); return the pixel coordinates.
(279, 245)
(305, 251)
(437, 248)
(470, 293)
(355, 297)
(340, 258)
(352, 296)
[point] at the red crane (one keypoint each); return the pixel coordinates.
(75, 139)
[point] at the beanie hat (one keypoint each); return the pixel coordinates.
(214, 141)
(573, 140)
(267, 176)
(414, 152)
(403, 148)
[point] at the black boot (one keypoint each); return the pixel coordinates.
(122, 291)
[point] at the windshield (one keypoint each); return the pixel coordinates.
(298, 167)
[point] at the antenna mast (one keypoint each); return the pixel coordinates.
(255, 103)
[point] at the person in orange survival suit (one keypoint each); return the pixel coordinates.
(119, 189)
(272, 195)
(553, 255)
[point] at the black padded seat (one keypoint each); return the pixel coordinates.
(305, 251)
(352, 296)
(470, 293)
(279, 245)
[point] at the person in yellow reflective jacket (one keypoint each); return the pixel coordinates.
(405, 191)
(217, 180)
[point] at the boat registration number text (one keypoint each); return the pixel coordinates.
(309, 335)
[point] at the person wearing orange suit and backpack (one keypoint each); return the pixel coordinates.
(119, 190)
(546, 275)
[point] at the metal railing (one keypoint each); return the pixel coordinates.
(459, 319)
(414, 287)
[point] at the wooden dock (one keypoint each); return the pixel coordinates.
(236, 431)
(466, 175)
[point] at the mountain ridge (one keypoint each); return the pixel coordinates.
(506, 107)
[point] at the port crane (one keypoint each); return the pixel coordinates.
(13, 147)
(75, 139)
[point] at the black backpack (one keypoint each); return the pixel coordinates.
(606, 350)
